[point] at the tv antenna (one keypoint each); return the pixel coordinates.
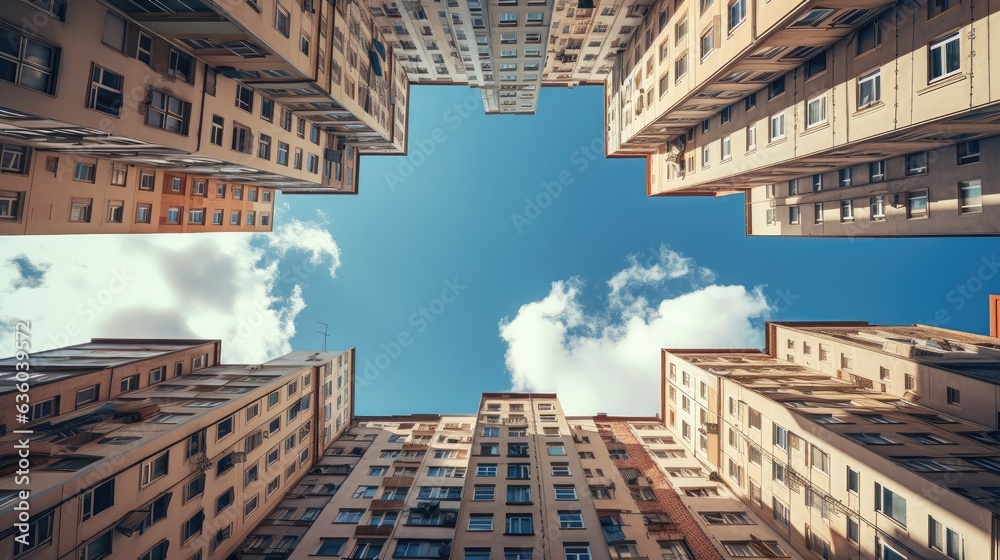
(325, 332)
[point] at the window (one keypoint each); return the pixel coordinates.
(890, 504)
(144, 49)
(967, 152)
(853, 481)
(869, 89)
(330, 547)
(707, 42)
(480, 522)
(193, 526)
(483, 493)
(97, 499)
(916, 164)
(26, 62)
(519, 524)
(264, 147)
(181, 66)
(574, 552)
(847, 210)
(518, 494)
(776, 88)
(519, 471)
(567, 493)
(349, 516)
(970, 197)
(105, 91)
(98, 548)
(560, 469)
(779, 511)
(486, 470)
(680, 67)
(727, 148)
(818, 213)
(155, 468)
(945, 539)
(754, 549)
(737, 13)
(916, 204)
(793, 215)
(556, 449)
(953, 395)
(244, 98)
(517, 554)
(167, 112)
(944, 57)
(820, 460)
(777, 126)
(571, 519)
(780, 437)
(816, 111)
(869, 36)
(815, 65)
(282, 19)
(727, 518)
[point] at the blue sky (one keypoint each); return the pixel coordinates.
(440, 251)
(450, 217)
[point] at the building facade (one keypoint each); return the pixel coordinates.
(263, 94)
(883, 107)
(153, 449)
(518, 480)
(850, 440)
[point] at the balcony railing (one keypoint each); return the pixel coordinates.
(397, 481)
(373, 530)
(387, 504)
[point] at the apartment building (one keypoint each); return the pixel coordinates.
(81, 194)
(118, 428)
(850, 440)
(518, 480)
(747, 97)
(257, 93)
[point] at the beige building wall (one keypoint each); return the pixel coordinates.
(181, 467)
(822, 454)
(955, 194)
(429, 486)
(295, 63)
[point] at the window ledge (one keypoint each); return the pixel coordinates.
(870, 108)
(815, 128)
(943, 82)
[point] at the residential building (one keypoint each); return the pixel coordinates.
(80, 194)
(863, 118)
(851, 440)
(153, 449)
(257, 93)
(519, 479)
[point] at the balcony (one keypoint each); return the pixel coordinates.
(397, 481)
(386, 504)
(373, 530)
(415, 447)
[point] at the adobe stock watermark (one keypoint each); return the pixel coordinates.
(987, 269)
(419, 321)
(420, 150)
(580, 160)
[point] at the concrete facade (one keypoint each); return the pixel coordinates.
(152, 449)
(851, 440)
(520, 479)
(252, 93)
(732, 97)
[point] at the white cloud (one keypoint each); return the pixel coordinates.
(609, 360)
(214, 285)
